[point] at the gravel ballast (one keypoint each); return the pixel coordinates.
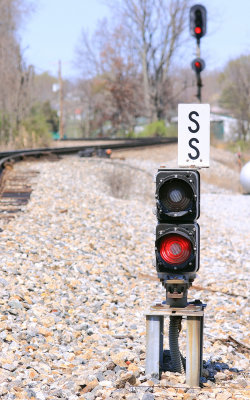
(77, 278)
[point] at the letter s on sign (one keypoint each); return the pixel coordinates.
(193, 120)
(197, 155)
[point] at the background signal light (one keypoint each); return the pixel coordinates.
(197, 30)
(198, 21)
(198, 64)
(175, 249)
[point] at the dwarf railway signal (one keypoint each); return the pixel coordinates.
(177, 232)
(177, 250)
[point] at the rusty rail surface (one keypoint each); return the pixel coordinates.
(17, 155)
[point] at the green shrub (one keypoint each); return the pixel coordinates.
(34, 130)
(158, 128)
(239, 145)
(51, 116)
(5, 128)
(37, 130)
(172, 131)
(131, 134)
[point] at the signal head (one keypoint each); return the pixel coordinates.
(198, 21)
(198, 64)
(177, 194)
(177, 249)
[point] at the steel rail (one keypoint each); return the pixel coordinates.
(17, 155)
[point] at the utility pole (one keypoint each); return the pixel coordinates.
(61, 123)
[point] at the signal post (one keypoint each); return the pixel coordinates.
(198, 28)
(177, 248)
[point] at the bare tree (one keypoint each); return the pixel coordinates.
(155, 27)
(15, 77)
(236, 92)
(111, 81)
(128, 66)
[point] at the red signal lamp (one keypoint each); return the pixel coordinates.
(198, 21)
(198, 64)
(197, 30)
(175, 249)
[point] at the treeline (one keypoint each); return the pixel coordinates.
(127, 65)
(24, 121)
(131, 78)
(130, 75)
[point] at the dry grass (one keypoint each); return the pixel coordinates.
(27, 140)
(119, 181)
(223, 172)
(127, 182)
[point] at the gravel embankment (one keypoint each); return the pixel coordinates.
(77, 277)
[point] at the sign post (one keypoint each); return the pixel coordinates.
(193, 135)
(198, 28)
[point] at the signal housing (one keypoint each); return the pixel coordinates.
(177, 242)
(173, 185)
(191, 232)
(198, 65)
(198, 21)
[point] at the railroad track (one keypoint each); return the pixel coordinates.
(15, 191)
(62, 284)
(121, 144)
(15, 185)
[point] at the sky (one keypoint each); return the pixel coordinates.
(52, 31)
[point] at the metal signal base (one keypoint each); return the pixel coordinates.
(194, 314)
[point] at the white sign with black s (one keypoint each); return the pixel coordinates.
(193, 135)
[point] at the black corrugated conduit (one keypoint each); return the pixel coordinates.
(176, 358)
